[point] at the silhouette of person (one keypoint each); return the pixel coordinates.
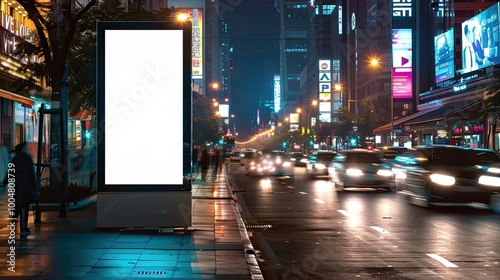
(25, 184)
(204, 162)
(217, 161)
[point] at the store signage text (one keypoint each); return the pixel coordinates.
(401, 8)
(459, 88)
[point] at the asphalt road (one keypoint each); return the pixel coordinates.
(302, 228)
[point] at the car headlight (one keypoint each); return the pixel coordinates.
(287, 164)
(489, 181)
(385, 172)
(319, 166)
(398, 173)
(493, 169)
(443, 180)
(353, 172)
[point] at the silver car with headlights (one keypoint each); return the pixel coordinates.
(318, 163)
(270, 162)
(444, 173)
(361, 168)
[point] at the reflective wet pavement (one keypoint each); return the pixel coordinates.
(216, 246)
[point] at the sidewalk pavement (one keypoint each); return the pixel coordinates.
(216, 246)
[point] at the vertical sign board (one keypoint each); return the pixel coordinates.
(144, 124)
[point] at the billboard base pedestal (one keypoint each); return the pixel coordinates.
(169, 209)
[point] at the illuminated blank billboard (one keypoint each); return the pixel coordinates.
(144, 105)
(401, 63)
(480, 40)
(444, 55)
(224, 110)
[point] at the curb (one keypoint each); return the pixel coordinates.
(253, 264)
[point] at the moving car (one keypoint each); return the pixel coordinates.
(392, 152)
(235, 156)
(318, 163)
(361, 168)
(270, 162)
(299, 159)
(443, 173)
(245, 156)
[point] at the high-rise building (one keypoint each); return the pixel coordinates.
(293, 50)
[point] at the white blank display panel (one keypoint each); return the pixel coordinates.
(144, 107)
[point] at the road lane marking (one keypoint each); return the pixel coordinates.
(442, 260)
(319, 200)
(302, 192)
(379, 229)
(343, 212)
(290, 187)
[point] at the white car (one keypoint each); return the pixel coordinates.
(235, 156)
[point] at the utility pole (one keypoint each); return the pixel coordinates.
(59, 100)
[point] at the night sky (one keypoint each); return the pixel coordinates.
(254, 31)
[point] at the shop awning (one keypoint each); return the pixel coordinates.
(466, 109)
(387, 128)
(25, 101)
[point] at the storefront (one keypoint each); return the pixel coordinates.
(15, 110)
(447, 115)
(453, 123)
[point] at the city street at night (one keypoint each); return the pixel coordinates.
(304, 229)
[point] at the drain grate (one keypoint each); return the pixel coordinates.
(259, 226)
(152, 272)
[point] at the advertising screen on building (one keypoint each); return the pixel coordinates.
(444, 56)
(480, 40)
(277, 93)
(224, 110)
(402, 63)
(144, 106)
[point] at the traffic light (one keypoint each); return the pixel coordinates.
(284, 145)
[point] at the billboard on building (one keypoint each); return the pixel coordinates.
(224, 110)
(197, 49)
(402, 63)
(444, 56)
(480, 40)
(277, 93)
(325, 89)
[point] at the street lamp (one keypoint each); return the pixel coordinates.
(374, 63)
(339, 88)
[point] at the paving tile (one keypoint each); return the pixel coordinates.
(73, 248)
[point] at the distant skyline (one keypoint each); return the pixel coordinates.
(254, 32)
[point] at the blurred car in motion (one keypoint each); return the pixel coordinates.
(299, 159)
(486, 156)
(245, 156)
(361, 168)
(235, 156)
(391, 152)
(318, 163)
(444, 173)
(270, 162)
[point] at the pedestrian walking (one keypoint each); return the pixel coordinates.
(194, 158)
(217, 161)
(204, 162)
(24, 182)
